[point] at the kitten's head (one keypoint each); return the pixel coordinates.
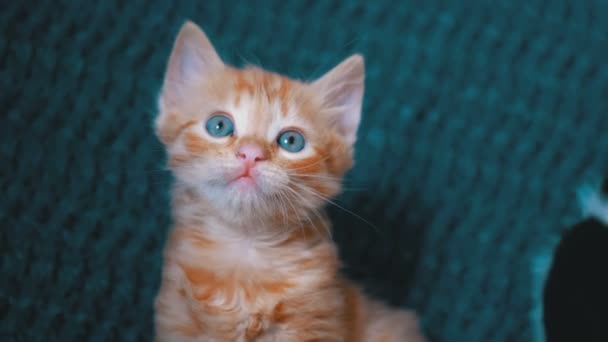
(253, 142)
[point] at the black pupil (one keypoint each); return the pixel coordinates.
(291, 139)
(220, 125)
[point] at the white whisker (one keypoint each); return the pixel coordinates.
(310, 165)
(299, 219)
(315, 176)
(284, 210)
(315, 193)
(314, 210)
(328, 178)
(307, 202)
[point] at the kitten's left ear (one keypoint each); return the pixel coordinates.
(342, 92)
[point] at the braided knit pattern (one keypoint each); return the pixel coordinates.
(480, 120)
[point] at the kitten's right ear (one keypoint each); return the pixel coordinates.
(193, 58)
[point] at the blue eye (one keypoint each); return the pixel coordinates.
(291, 141)
(219, 126)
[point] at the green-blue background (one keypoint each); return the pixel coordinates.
(481, 119)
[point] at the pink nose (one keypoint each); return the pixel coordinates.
(251, 153)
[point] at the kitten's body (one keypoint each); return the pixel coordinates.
(249, 257)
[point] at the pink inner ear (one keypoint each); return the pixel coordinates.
(349, 119)
(193, 56)
(342, 92)
(190, 64)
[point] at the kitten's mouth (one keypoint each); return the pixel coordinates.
(244, 179)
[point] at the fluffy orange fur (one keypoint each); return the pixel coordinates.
(257, 263)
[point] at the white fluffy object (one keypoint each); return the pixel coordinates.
(594, 203)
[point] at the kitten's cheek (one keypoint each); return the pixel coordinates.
(194, 174)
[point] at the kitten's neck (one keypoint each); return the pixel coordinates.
(243, 248)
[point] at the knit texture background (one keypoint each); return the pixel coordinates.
(480, 120)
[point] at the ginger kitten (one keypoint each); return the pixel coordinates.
(255, 156)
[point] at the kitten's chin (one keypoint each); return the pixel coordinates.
(254, 195)
(241, 199)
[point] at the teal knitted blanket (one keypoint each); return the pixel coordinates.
(480, 120)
